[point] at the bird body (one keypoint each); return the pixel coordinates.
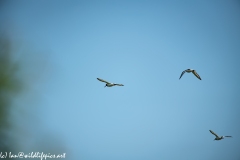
(218, 137)
(108, 84)
(189, 71)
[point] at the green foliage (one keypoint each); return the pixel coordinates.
(9, 86)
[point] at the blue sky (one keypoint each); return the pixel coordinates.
(144, 45)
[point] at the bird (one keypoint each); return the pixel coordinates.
(191, 70)
(217, 137)
(108, 84)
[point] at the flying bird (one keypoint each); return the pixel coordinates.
(189, 71)
(108, 84)
(217, 137)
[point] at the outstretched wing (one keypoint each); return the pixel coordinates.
(213, 133)
(102, 80)
(119, 84)
(195, 73)
(182, 74)
(227, 136)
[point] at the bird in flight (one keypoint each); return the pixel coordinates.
(108, 84)
(189, 71)
(217, 137)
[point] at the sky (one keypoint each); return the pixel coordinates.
(144, 45)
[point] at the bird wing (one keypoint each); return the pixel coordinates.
(119, 84)
(182, 74)
(195, 73)
(102, 80)
(227, 136)
(213, 133)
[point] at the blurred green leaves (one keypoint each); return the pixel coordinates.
(17, 76)
(10, 85)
